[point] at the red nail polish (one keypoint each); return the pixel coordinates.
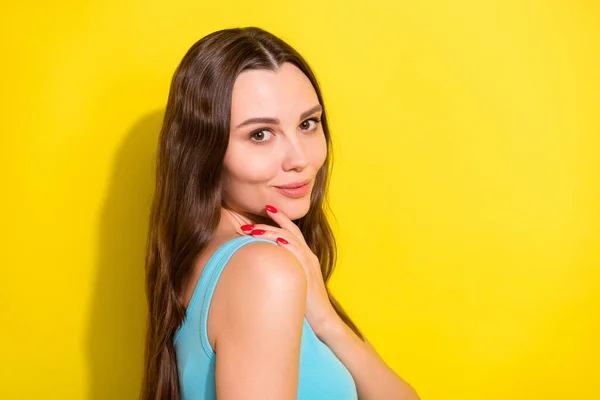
(258, 231)
(247, 227)
(282, 240)
(271, 209)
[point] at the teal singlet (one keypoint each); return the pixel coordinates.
(322, 375)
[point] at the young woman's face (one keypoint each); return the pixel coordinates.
(275, 140)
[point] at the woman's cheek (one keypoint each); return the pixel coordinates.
(319, 152)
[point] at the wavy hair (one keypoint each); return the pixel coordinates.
(187, 200)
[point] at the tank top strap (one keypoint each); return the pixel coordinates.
(205, 288)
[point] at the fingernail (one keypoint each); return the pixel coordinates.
(247, 227)
(271, 209)
(282, 240)
(258, 231)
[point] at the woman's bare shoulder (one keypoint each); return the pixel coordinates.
(263, 301)
(254, 256)
(259, 266)
(260, 278)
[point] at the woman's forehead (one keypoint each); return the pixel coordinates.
(267, 93)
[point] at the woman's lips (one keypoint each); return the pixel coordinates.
(294, 193)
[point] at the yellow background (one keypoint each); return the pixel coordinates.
(466, 185)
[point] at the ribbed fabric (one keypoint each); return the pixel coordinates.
(322, 375)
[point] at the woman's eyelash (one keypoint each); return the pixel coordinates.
(316, 120)
(259, 131)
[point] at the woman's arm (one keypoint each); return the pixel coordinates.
(260, 300)
(374, 379)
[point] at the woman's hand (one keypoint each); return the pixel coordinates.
(319, 311)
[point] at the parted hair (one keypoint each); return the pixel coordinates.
(186, 205)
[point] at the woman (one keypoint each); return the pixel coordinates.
(242, 175)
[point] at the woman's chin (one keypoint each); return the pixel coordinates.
(293, 209)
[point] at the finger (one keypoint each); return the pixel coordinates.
(273, 234)
(281, 239)
(264, 227)
(283, 220)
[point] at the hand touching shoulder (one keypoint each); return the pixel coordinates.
(262, 296)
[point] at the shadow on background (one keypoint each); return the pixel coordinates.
(116, 328)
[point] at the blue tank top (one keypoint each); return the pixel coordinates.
(322, 375)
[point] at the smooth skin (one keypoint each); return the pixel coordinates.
(373, 377)
(256, 315)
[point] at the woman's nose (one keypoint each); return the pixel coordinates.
(296, 156)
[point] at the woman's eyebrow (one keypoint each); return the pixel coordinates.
(275, 121)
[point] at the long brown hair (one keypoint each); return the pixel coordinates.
(187, 200)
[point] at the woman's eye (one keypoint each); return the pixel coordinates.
(263, 135)
(305, 125)
(259, 136)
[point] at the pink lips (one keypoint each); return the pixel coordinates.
(294, 192)
(295, 184)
